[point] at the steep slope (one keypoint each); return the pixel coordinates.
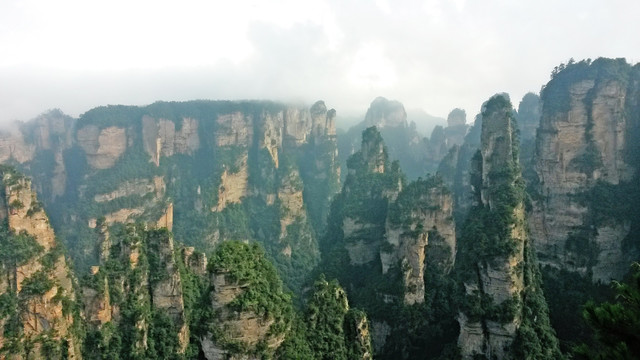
(585, 162)
(250, 313)
(503, 314)
(382, 237)
(202, 168)
(37, 299)
(134, 301)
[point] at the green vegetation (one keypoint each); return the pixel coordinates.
(326, 310)
(246, 264)
(111, 115)
(36, 285)
(408, 201)
(616, 324)
(487, 241)
(565, 293)
(262, 294)
(536, 338)
(17, 249)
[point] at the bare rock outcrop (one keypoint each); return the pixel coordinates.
(103, 147)
(258, 325)
(13, 146)
(583, 145)
(166, 290)
(161, 138)
(234, 129)
(234, 184)
(37, 277)
(422, 214)
(496, 260)
(383, 113)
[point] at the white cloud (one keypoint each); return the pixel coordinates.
(371, 69)
(433, 54)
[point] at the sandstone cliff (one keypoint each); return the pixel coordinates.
(202, 168)
(494, 248)
(584, 146)
(40, 324)
(137, 289)
(422, 215)
(383, 234)
(249, 306)
(370, 185)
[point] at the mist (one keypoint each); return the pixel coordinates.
(432, 56)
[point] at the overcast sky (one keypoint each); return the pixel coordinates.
(435, 54)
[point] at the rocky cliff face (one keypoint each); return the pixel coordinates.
(137, 289)
(584, 146)
(194, 165)
(166, 291)
(494, 258)
(103, 147)
(161, 138)
(36, 280)
(371, 184)
(422, 215)
(499, 278)
(245, 324)
(382, 236)
(385, 113)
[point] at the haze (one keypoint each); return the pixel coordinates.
(433, 55)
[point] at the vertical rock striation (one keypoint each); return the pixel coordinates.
(494, 250)
(584, 148)
(35, 279)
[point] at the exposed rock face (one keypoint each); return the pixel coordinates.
(500, 277)
(247, 328)
(121, 216)
(259, 325)
(529, 112)
(384, 231)
(362, 229)
(138, 187)
(97, 304)
(321, 172)
(455, 170)
(456, 127)
(291, 201)
(166, 293)
(103, 147)
(207, 154)
(161, 138)
(418, 155)
(12, 146)
(581, 146)
(358, 328)
(233, 185)
(36, 278)
(422, 213)
(234, 129)
(383, 113)
(166, 219)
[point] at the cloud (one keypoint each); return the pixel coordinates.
(429, 54)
